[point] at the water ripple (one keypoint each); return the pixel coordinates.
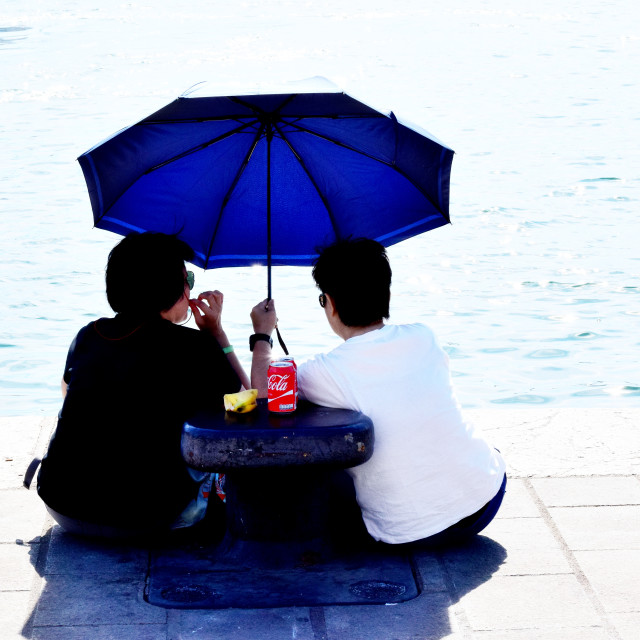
(583, 335)
(497, 349)
(523, 399)
(576, 301)
(547, 353)
(455, 353)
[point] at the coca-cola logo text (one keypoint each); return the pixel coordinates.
(278, 383)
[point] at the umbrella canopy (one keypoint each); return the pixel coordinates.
(267, 179)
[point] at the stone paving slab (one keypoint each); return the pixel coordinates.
(71, 555)
(94, 599)
(627, 625)
(589, 491)
(583, 633)
(428, 616)
(22, 438)
(522, 546)
(599, 527)
(18, 566)
(15, 608)
(535, 602)
(517, 501)
(429, 574)
(611, 573)
(242, 624)
(22, 516)
(102, 632)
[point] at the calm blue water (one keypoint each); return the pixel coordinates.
(534, 290)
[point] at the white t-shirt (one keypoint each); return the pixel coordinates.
(429, 468)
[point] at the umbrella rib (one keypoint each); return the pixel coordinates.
(232, 187)
(201, 146)
(391, 165)
(334, 116)
(340, 144)
(311, 178)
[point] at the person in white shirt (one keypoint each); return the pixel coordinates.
(432, 478)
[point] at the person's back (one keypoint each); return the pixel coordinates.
(114, 465)
(431, 476)
(429, 469)
(115, 456)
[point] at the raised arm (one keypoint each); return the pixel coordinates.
(264, 319)
(207, 311)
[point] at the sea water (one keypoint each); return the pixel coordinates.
(533, 290)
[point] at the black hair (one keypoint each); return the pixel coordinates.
(145, 273)
(357, 275)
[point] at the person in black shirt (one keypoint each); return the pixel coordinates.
(114, 466)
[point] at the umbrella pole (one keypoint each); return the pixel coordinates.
(269, 137)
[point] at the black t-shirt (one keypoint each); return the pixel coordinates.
(115, 456)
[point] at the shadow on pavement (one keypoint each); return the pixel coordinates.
(95, 583)
(469, 565)
(445, 576)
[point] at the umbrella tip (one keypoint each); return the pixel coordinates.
(191, 89)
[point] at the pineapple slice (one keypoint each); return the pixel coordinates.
(241, 402)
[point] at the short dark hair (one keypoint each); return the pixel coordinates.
(156, 260)
(357, 275)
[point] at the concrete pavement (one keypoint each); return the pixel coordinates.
(560, 562)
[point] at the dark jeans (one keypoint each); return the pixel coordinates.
(350, 523)
(466, 528)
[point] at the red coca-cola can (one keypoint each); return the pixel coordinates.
(282, 389)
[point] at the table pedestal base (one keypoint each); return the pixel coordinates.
(274, 504)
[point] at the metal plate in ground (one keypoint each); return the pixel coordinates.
(213, 579)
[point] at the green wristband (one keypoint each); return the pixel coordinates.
(228, 349)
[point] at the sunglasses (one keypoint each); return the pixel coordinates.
(322, 299)
(190, 279)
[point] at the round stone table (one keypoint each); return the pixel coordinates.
(278, 467)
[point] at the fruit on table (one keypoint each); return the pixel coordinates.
(241, 402)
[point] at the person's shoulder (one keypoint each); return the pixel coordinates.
(319, 364)
(416, 329)
(413, 326)
(90, 329)
(84, 340)
(417, 334)
(314, 360)
(90, 326)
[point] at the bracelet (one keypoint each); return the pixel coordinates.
(228, 349)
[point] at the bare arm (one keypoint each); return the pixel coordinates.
(207, 311)
(264, 319)
(223, 341)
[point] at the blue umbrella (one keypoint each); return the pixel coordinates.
(267, 179)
